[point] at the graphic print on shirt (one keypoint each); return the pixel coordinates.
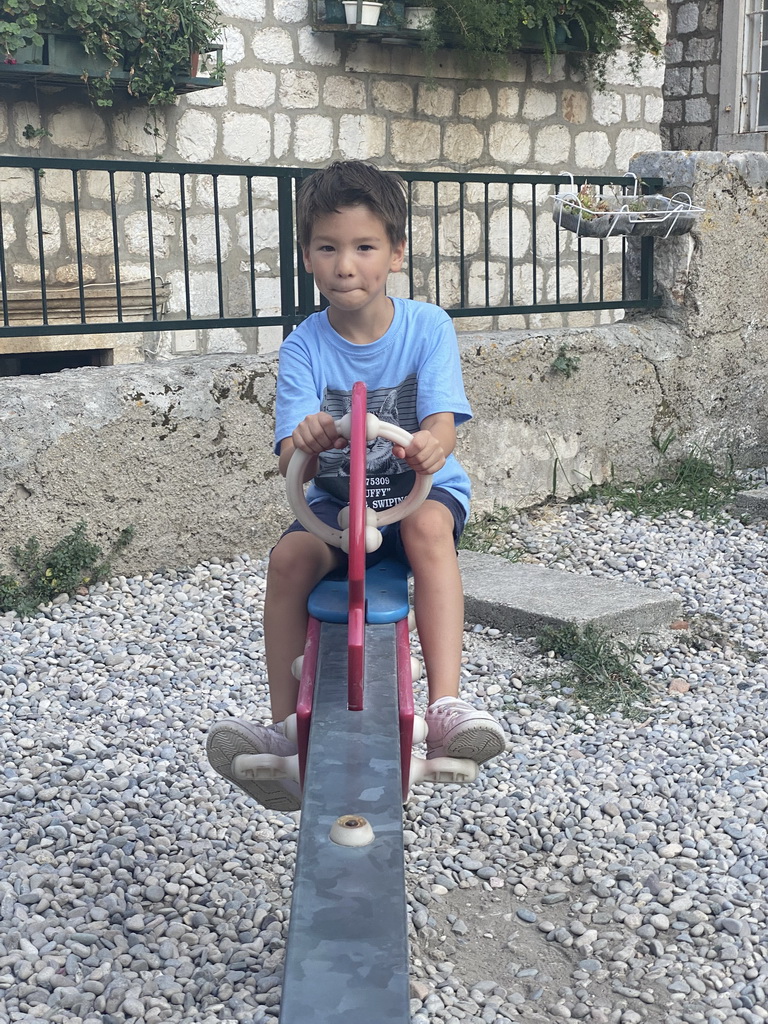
(389, 480)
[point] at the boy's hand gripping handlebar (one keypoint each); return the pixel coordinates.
(339, 538)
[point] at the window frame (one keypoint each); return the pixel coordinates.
(740, 50)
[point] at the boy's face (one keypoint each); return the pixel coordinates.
(351, 256)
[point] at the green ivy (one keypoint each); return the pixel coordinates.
(485, 31)
(151, 39)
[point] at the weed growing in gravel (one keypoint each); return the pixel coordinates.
(489, 532)
(72, 563)
(692, 483)
(603, 675)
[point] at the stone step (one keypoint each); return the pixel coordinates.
(755, 502)
(520, 599)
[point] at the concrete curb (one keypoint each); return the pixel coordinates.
(754, 502)
(521, 599)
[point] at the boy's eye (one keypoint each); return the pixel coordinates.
(366, 248)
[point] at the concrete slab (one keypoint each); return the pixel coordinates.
(521, 599)
(755, 502)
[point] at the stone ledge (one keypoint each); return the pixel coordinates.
(521, 599)
(754, 502)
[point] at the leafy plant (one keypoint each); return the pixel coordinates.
(153, 40)
(565, 363)
(613, 25)
(30, 132)
(603, 674)
(486, 30)
(72, 563)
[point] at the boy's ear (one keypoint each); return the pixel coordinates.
(398, 255)
(306, 258)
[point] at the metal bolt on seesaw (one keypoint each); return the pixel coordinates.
(347, 951)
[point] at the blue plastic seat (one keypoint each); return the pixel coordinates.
(386, 592)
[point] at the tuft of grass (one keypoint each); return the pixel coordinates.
(489, 532)
(692, 483)
(72, 563)
(602, 672)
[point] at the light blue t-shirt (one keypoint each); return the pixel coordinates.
(411, 372)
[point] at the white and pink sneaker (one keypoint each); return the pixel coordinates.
(228, 740)
(457, 729)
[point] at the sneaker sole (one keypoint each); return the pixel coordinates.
(225, 741)
(478, 743)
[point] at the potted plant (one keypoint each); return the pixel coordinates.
(599, 214)
(487, 30)
(147, 45)
(419, 19)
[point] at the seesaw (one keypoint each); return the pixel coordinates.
(347, 951)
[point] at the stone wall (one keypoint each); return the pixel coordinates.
(692, 78)
(183, 450)
(294, 96)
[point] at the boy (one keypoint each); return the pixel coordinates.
(351, 221)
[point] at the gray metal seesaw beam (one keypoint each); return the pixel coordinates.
(347, 954)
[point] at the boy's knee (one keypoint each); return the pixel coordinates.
(430, 524)
(299, 556)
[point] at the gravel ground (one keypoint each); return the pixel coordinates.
(606, 870)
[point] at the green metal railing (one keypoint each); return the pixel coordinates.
(95, 246)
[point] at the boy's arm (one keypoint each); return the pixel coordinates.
(431, 445)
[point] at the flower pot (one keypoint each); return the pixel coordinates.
(419, 18)
(362, 12)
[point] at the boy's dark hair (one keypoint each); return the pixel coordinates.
(352, 183)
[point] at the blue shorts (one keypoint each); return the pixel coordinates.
(391, 546)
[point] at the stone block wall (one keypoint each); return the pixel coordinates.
(297, 97)
(183, 451)
(692, 78)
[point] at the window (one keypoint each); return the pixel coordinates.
(755, 102)
(743, 120)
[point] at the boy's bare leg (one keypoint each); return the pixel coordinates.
(297, 563)
(438, 595)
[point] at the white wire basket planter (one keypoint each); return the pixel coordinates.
(593, 215)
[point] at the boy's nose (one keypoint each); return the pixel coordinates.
(344, 264)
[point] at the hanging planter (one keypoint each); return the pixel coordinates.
(587, 212)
